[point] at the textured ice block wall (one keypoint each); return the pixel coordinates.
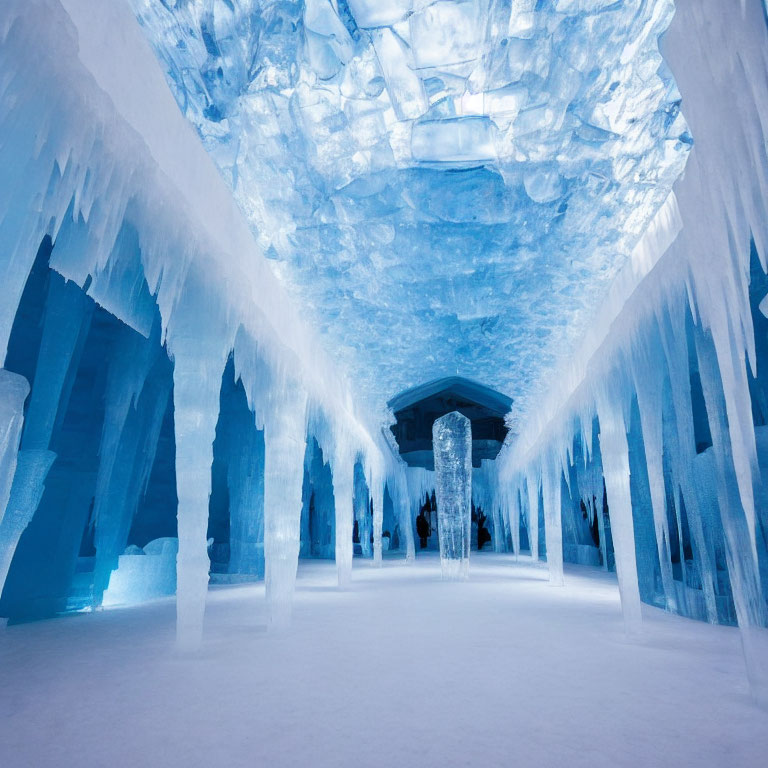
(452, 445)
(453, 175)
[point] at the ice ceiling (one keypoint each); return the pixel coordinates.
(446, 187)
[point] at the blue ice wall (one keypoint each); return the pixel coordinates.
(236, 510)
(99, 398)
(318, 520)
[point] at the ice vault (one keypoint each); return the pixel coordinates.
(337, 200)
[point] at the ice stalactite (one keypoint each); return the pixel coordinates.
(452, 446)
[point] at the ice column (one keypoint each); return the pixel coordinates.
(532, 491)
(196, 404)
(13, 391)
(514, 508)
(614, 449)
(742, 566)
(24, 500)
(452, 445)
(551, 491)
(284, 447)
(377, 496)
(343, 494)
(649, 401)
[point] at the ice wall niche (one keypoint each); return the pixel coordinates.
(452, 445)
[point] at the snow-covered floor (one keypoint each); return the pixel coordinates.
(399, 670)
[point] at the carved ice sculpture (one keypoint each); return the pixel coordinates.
(452, 446)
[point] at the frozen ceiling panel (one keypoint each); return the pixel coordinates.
(445, 187)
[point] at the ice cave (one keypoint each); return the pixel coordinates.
(384, 383)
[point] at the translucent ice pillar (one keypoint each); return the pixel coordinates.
(551, 492)
(285, 443)
(452, 445)
(743, 567)
(532, 492)
(614, 449)
(343, 493)
(377, 496)
(13, 391)
(196, 405)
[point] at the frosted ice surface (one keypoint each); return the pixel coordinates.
(379, 13)
(452, 445)
(461, 138)
(454, 175)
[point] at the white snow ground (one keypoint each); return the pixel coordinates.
(399, 670)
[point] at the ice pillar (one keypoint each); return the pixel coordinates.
(614, 449)
(532, 491)
(514, 520)
(649, 402)
(452, 445)
(377, 496)
(284, 447)
(551, 491)
(196, 405)
(343, 495)
(13, 391)
(742, 566)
